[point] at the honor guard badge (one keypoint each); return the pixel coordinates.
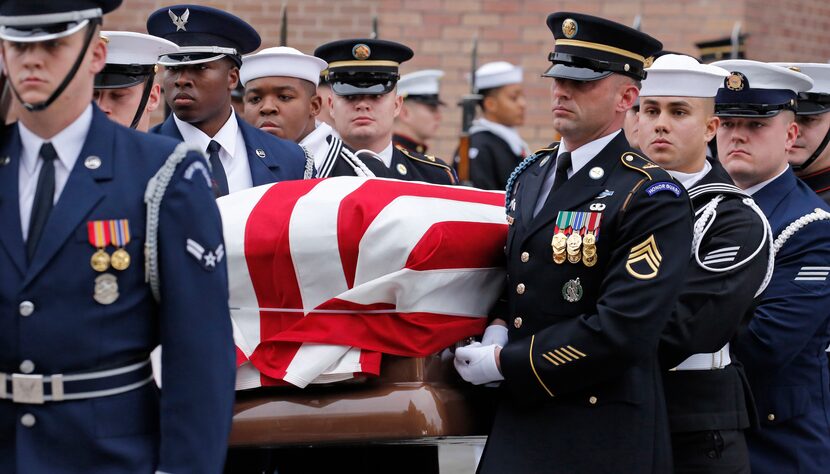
(663, 186)
(644, 259)
(572, 291)
(106, 289)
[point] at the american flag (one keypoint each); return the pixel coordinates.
(328, 274)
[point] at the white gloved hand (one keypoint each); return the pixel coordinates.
(495, 334)
(476, 363)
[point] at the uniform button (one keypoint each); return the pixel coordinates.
(520, 288)
(517, 323)
(525, 257)
(28, 420)
(26, 308)
(712, 454)
(27, 367)
(592, 400)
(771, 417)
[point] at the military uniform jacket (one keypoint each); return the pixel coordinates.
(819, 182)
(491, 161)
(783, 346)
(410, 144)
(711, 307)
(413, 166)
(582, 383)
(64, 330)
(271, 159)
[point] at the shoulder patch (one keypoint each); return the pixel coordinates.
(637, 162)
(664, 186)
(428, 159)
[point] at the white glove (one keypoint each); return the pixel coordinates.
(476, 363)
(495, 334)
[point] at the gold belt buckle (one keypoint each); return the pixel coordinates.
(27, 389)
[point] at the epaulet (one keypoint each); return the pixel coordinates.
(428, 159)
(552, 147)
(637, 162)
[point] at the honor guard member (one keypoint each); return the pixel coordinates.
(198, 80)
(420, 115)
(281, 99)
(708, 403)
(363, 74)
(324, 91)
(597, 248)
(126, 90)
(495, 145)
(782, 346)
(78, 318)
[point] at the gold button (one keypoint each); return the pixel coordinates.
(592, 400)
(771, 417)
(520, 288)
(517, 323)
(525, 257)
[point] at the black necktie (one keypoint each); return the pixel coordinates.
(44, 198)
(220, 179)
(563, 162)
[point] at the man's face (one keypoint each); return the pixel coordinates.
(199, 92)
(586, 110)
(811, 131)
(754, 150)
(631, 127)
(121, 104)
(422, 119)
(365, 118)
(674, 131)
(506, 105)
(281, 106)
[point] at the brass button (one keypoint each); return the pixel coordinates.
(517, 323)
(592, 400)
(26, 308)
(520, 288)
(525, 257)
(771, 417)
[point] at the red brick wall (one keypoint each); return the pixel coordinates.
(441, 32)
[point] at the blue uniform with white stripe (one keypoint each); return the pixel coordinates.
(783, 345)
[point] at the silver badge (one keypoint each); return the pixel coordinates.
(572, 291)
(544, 161)
(596, 172)
(597, 206)
(260, 152)
(401, 168)
(106, 289)
(92, 162)
(179, 21)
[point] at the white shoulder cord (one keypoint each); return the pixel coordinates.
(359, 167)
(309, 164)
(153, 196)
(798, 224)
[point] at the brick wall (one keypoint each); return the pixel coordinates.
(441, 32)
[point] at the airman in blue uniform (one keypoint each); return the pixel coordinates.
(77, 318)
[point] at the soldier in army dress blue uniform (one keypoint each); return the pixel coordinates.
(78, 318)
(597, 249)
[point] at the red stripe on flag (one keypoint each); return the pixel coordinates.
(483, 246)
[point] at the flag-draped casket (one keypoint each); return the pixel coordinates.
(327, 275)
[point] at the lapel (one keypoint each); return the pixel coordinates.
(531, 186)
(168, 128)
(770, 196)
(264, 166)
(11, 235)
(80, 195)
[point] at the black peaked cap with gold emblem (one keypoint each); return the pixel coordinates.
(587, 48)
(363, 66)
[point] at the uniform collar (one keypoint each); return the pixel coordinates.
(68, 142)
(409, 143)
(690, 179)
(754, 189)
(584, 154)
(818, 181)
(508, 134)
(226, 136)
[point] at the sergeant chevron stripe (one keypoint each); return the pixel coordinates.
(648, 253)
(724, 255)
(813, 273)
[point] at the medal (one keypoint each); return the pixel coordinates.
(559, 240)
(572, 291)
(106, 289)
(575, 239)
(589, 242)
(590, 261)
(120, 236)
(120, 259)
(99, 236)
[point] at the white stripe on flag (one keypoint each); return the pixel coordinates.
(311, 360)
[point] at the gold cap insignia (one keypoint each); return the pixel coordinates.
(644, 256)
(736, 82)
(649, 61)
(361, 51)
(569, 27)
(794, 68)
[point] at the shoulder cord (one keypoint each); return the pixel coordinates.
(153, 196)
(798, 224)
(309, 164)
(358, 166)
(707, 214)
(515, 175)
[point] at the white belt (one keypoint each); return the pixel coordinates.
(713, 361)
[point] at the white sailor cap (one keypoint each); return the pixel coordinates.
(756, 89)
(817, 99)
(497, 74)
(678, 75)
(131, 57)
(422, 86)
(281, 61)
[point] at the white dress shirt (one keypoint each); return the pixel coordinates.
(386, 155)
(68, 144)
(690, 179)
(233, 154)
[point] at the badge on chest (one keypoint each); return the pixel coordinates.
(575, 237)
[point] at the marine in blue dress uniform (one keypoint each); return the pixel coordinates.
(597, 248)
(78, 318)
(782, 346)
(198, 80)
(708, 401)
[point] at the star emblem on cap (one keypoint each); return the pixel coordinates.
(180, 21)
(735, 81)
(569, 28)
(361, 51)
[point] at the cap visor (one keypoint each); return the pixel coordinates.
(362, 88)
(745, 113)
(37, 33)
(806, 107)
(562, 71)
(117, 81)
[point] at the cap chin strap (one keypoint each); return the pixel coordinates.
(66, 80)
(809, 161)
(145, 96)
